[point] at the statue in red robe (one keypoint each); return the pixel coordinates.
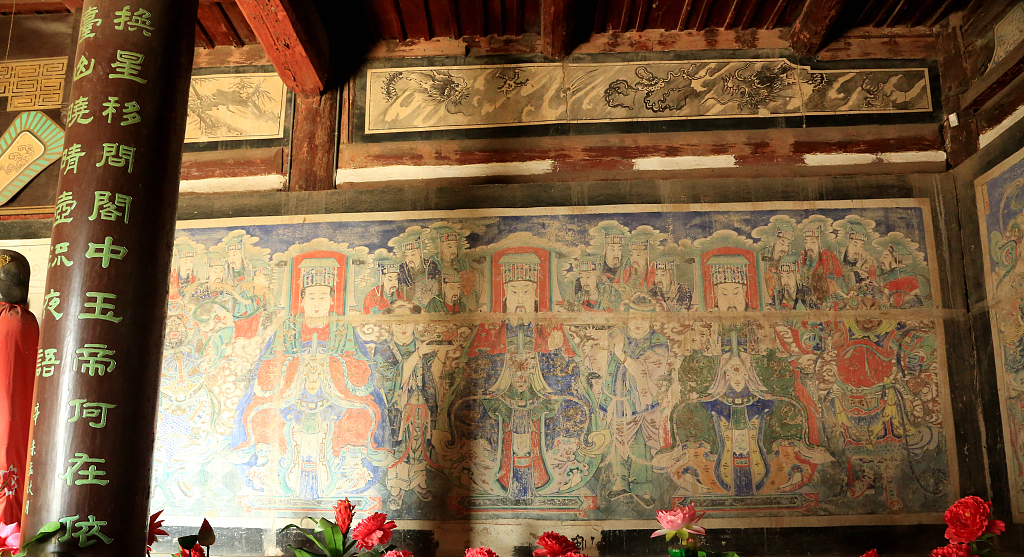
(19, 338)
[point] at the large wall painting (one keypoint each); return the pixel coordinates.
(464, 97)
(1000, 195)
(778, 361)
(238, 106)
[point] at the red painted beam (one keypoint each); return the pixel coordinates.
(556, 19)
(217, 25)
(816, 22)
(295, 40)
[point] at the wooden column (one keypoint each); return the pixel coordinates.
(315, 141)
(102, 321)
(961, 139)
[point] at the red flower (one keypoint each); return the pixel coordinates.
(967, 519)
(995, 527)
(343, 512)
(871, 553)
(952, 550)
(554, 545)
(155, 528)
(373, 530)
(480, 552)
(397, 553)
(196, 551)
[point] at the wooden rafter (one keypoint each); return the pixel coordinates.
(730, 17)
(295, 40)
(748, 15)
(780, 5)
(217, 25)
(814, 25)
(684, 15)
(414, 16)
(556, 19)
(702, 15)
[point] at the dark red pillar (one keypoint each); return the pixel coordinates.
(102, 321)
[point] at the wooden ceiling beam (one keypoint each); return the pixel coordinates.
(217, 25)
(33, 6)
(295, 40)
(556, 32)
(816, 22)
(239, 23)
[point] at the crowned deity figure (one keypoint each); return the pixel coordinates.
(313, 398)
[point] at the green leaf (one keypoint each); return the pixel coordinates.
(371, 553)
(334, 538)
(299, 552)
(47, 530)
(188, 542)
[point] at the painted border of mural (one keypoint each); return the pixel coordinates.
(933, 313)
(1010, 170)
(510, 95)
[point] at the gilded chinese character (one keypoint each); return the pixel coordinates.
(58, 255)
(95, 359)
(107, 209)
(78, 111)
(128, 66)
(65, 204)
(99, 306)
(106, 251)
(69, 159)
(117, 155)
(46, 361)
(139, 20)
(52, 300)
(75, 467)
(89, 20)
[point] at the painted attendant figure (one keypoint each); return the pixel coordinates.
(450, 301)
(382, 296)
(675, 296)
(19, 337)
(629, 399)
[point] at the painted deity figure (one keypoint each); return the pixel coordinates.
(894, 274)
(638, 271)
(637, 365)
(673, 295)
(387, 292)
(522, 354)
(820, 269)
(183, 274)
(450, 300)
(411, 369)
(416, 285)
(769, 260)
(858, 265)
(591, 290)
(740, 406)
(611, 268)
(313, 398)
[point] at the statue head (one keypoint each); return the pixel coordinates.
(14, 276)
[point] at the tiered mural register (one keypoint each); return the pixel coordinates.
(566, 364)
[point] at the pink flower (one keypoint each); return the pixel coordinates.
(397, 553)
(871, 553)
(480, 552)
(680, 521)
(554, 545)
(10, 537)
(373, 530)
(343, 514)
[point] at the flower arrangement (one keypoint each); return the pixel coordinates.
(968, 526)
(372, 535)
(681, 522)
(552, 544)
(192, 546)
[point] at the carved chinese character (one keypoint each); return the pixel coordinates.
(117, 155)
(136, 21)
(89, 20)
(45, 362)
(89, 528)
(106, 251)
(58, 255)
(78, 111)
(69, 159)
(75, 467)
(110, 108)
(107, 209)
(128, 66)
(86, 410)
(131, 113)
(95, 359)
(84, 67)
(52, 300)
(99, 306)
(62, 210)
